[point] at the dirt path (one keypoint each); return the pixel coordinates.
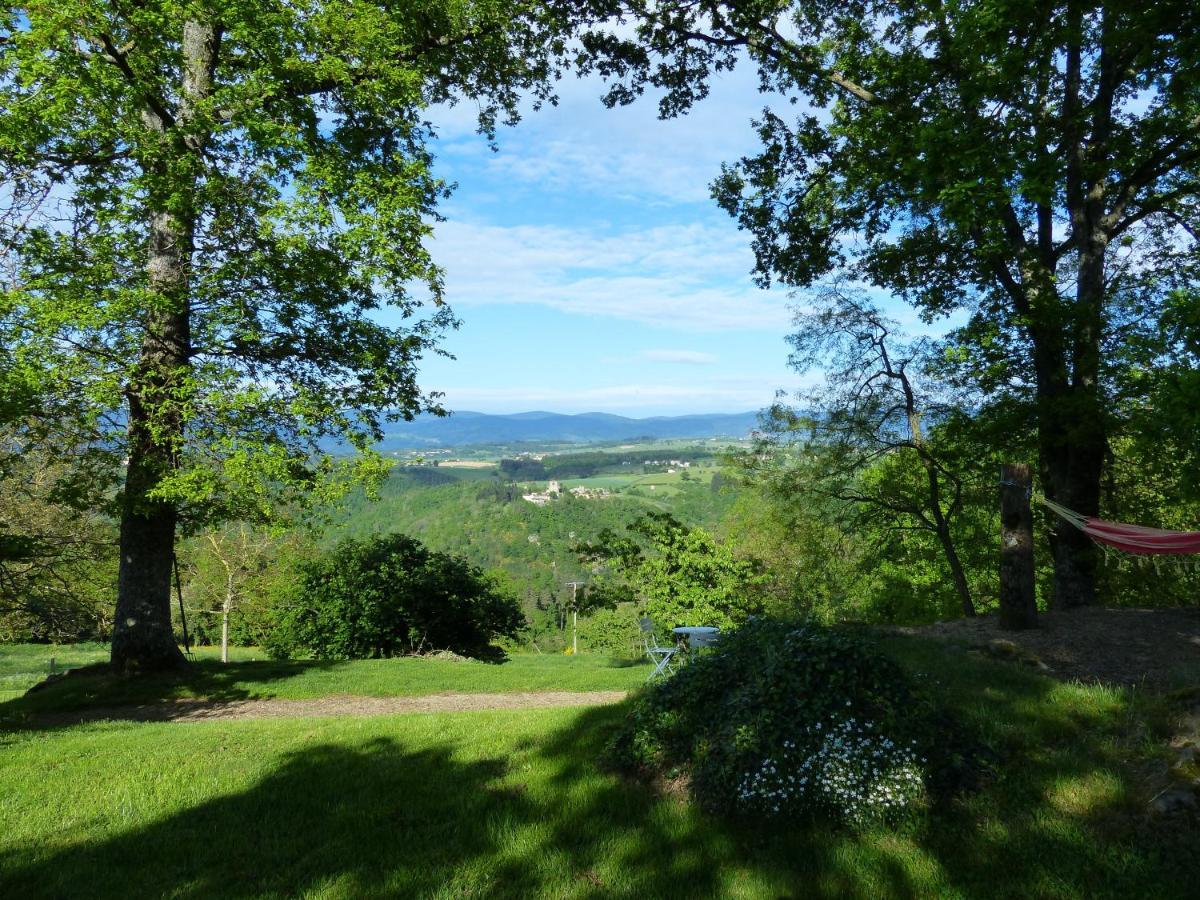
(1160, 647)
(338, 705)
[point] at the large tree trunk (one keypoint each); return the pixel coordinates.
(143, 639)
(1073, 437)
(1071, 421)
(1071, 456)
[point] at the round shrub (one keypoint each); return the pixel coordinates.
(787, 719)
(390, 596)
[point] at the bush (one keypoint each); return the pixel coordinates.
(390, 596)
(685, 575)
(789, 719)
(614, 632)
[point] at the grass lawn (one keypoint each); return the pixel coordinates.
(514, 804)
(251, 676)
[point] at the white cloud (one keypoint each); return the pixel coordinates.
(686, 357)
(625, 153)
(693, 277)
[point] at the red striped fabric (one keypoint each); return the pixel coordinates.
(1138, 539)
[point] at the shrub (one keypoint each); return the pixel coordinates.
(390, 596)
(684, 574)
(788, 719)
(614, 632)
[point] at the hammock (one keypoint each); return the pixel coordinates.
(1129, 538)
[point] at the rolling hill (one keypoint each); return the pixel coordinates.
(467, 427)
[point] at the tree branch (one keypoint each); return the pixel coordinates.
(119, 57)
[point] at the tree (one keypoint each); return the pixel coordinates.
(1029, 165)
(389, 596)
(207, 204)
(683, 575)
(227, 565)
(54, 560)
(873, 409)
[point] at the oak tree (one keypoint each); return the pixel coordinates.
(1029, 166)
(212, 223)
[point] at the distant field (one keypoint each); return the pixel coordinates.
(661, 483)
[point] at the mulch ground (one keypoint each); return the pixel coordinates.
(206, 710)
(1155, 647)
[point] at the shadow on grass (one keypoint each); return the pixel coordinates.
(97, 686)
(379, 819)
(383, 819)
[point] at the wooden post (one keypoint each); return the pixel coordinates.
(1018, 602)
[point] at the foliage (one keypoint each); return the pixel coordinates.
(777, 702)
(614, 632)
(816, 566)
(855, 774)
(206, 205)
(872, 416)
(840, 557)
(522, 469)
(235, 572)
(1031, 169)
(503, 525)
(57, 562)
(683, 575)
(390, 596)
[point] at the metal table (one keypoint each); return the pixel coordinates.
(691, 632)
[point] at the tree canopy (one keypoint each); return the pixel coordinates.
(1034, 168)
(213, 222)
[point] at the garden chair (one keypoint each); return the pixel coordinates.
(661, 656)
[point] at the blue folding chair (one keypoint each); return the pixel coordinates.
(661, 656)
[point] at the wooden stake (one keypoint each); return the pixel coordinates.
(1018, 600)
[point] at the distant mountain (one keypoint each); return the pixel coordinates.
(481, 428)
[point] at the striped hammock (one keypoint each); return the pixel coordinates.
(1129, 538)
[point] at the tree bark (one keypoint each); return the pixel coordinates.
(1072, 435)
(1018, 600)
(143, 640)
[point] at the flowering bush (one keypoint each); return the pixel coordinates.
(796, 719)
(856, 774)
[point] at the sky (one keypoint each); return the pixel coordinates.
(591, 269)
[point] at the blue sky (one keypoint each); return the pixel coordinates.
(592, 271)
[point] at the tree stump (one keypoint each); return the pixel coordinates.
(1018, 600)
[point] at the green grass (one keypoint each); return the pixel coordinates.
(260, 678)
(514, 804)
(24, 665)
